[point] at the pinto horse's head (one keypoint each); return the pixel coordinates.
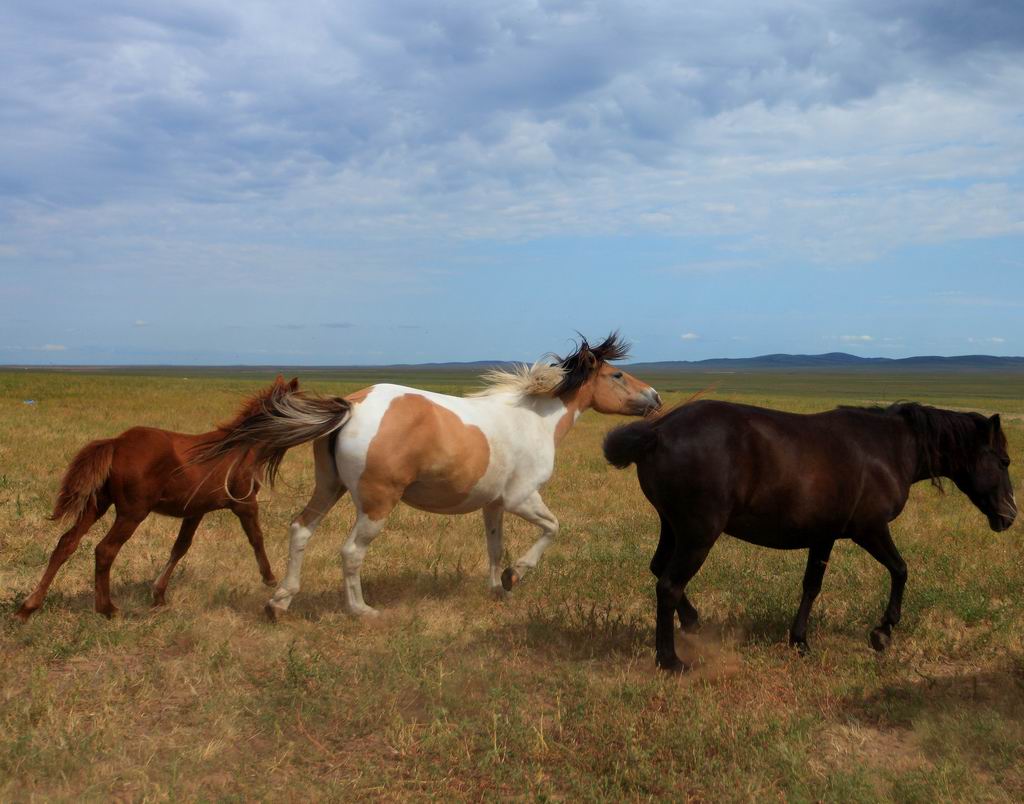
(610, 389)
(985, 476)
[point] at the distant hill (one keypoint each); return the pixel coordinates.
(838, 361)
(832, 361)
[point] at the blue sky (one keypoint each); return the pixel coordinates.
(368, 182)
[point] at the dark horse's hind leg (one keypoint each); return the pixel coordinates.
(817, 562)
(689, 618)
(878, 542)
(181, 545)
(693, 541)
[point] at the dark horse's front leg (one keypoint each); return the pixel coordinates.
(878, 542)
(817, 562)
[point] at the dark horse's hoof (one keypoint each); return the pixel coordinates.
(880, 639)
(509, 578)
(801, 646)
(673, 666)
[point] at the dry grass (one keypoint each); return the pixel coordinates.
(452, 695)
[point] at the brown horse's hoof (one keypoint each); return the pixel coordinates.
(509, 578)
(110, 612)
(880, 640)
(22, 614)
(159, 599)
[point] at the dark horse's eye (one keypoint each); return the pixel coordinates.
(1004, 462)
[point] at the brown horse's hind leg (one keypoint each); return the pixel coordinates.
(817, 562)
(106, 551)
(878, 542)
(67, 545)
(249, 516)
(181, 546)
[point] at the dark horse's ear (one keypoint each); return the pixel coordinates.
(994, 427)
(293, 385)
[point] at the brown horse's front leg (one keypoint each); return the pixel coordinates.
(249, 516)
(106, 551)
(181, 546)
(817, 562)
(878, 542)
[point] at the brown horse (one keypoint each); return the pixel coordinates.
(145, 470)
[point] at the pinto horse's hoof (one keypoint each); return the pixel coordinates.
(272, 612)
(880, 640)
(509, 578)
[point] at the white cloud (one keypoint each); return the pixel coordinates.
(140, 323)
(986, 340)
(50, 347)
(856, 338)
(689, 336)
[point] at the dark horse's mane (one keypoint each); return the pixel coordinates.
(943, 436)
(581, 364)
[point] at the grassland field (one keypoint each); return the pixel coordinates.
(550, 695)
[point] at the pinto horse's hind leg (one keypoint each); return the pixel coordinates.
(66, 545)
(817, 562)
(178, 550)
(493, 518)
(352, 554)
(328, 491)
(878, 542)
(534, 511)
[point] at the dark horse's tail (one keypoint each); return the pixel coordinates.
(86, 474)
(275, 421)
(627, 444)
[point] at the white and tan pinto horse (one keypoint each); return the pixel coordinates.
(448, 455)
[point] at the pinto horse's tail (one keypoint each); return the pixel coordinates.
(85, 475)
(627, 444)
(276, 421)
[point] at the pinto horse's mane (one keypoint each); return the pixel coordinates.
(554, 376)
(947, 437)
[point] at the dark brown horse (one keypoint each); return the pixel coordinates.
(145, 470)
(794, 481)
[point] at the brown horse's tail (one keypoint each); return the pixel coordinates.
(274, 422)
(86, 474)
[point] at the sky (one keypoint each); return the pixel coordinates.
(399, 182)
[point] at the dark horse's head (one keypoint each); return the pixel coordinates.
(970, 450)
(987, 480)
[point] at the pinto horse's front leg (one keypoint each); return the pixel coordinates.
(878, 542)
(533, 510)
